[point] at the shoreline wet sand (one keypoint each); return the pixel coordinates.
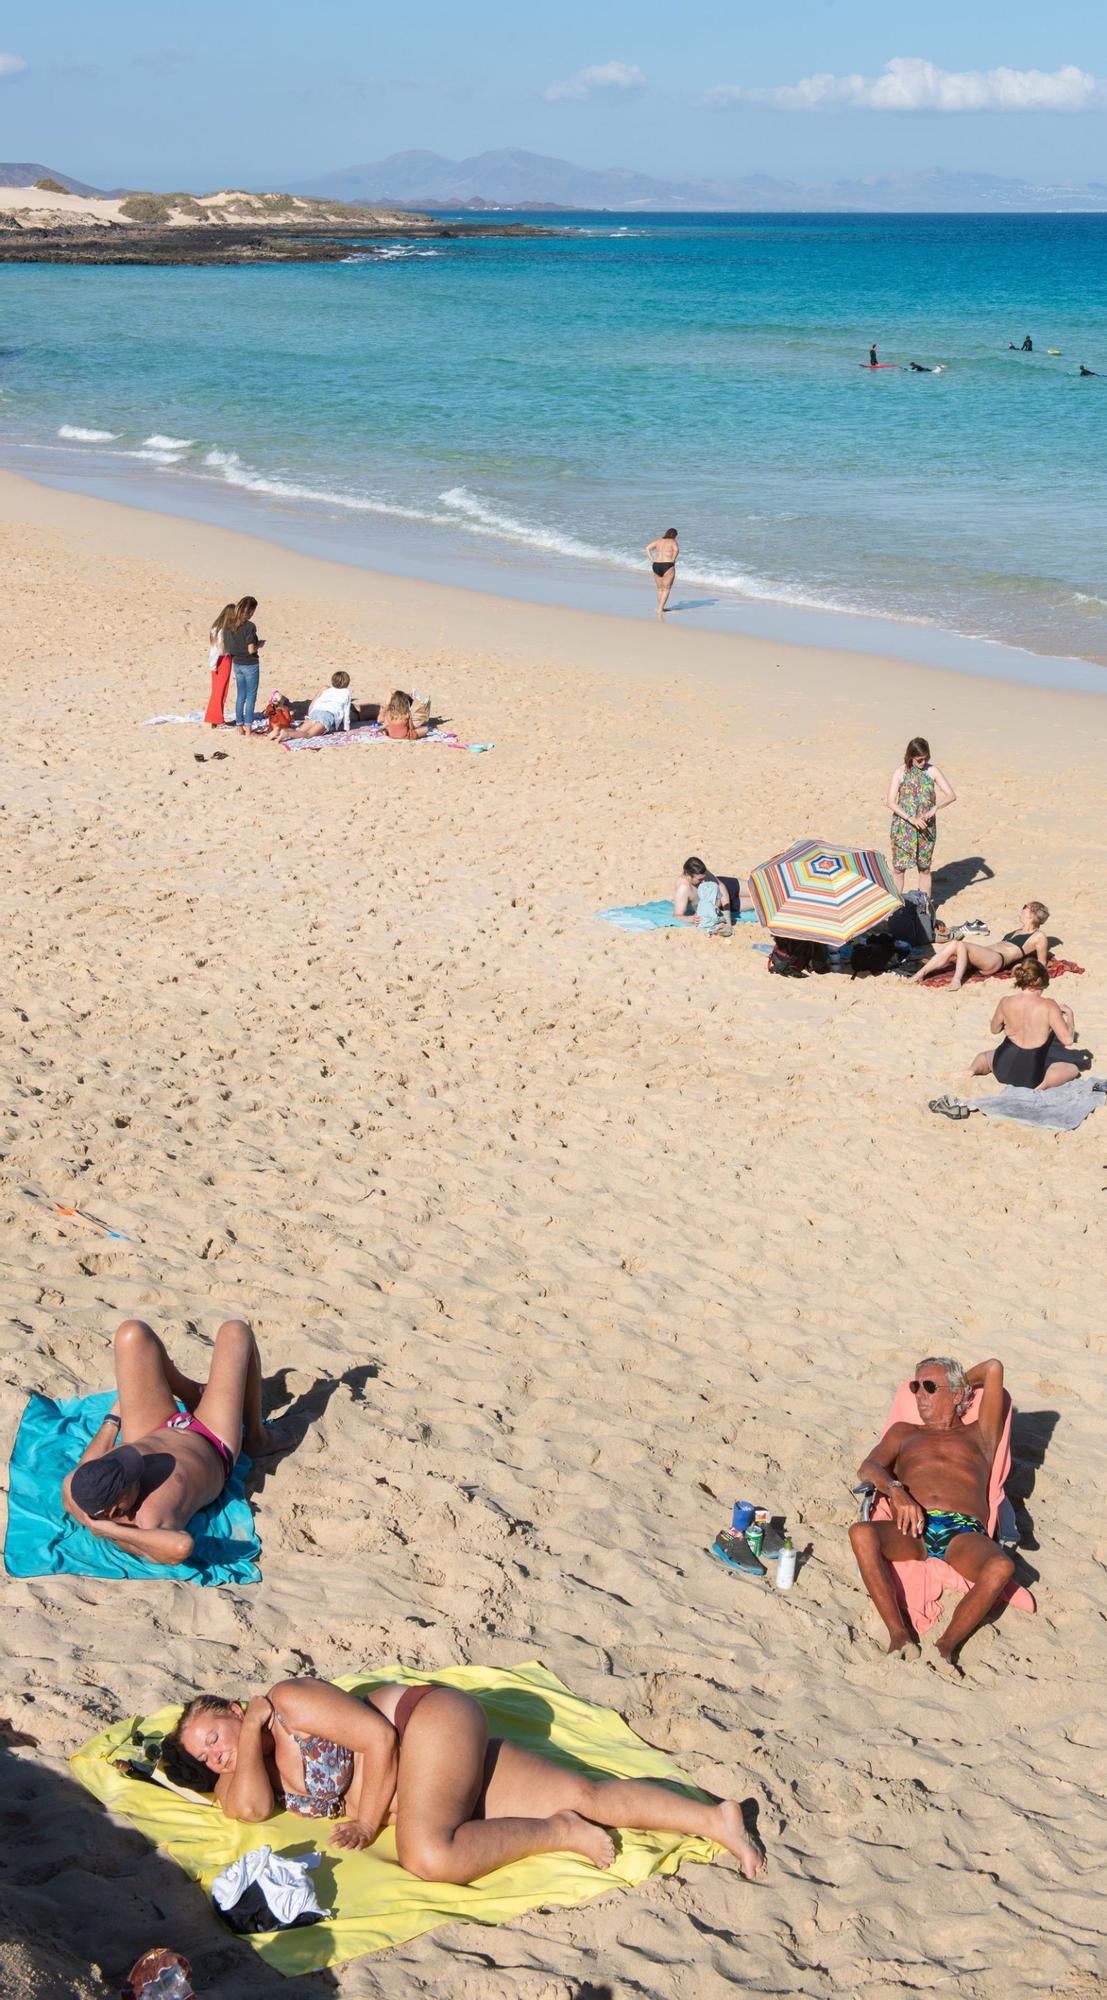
(562, 1239)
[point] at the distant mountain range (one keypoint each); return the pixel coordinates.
(511, 179)
(24, 173)
(518, 180)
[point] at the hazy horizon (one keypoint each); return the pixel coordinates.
(116, 99)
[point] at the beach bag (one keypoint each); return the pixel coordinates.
(792, 958)
(913, 925)
(873, 955)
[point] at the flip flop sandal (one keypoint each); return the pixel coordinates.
(950, 1108)
(733, 1553)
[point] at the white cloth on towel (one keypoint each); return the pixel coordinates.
(283, 1881)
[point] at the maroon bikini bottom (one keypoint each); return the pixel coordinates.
(405, 1709)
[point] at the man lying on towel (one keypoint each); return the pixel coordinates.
(150, 1468)
(934, 1475)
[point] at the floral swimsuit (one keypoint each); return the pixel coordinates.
(329, 1767)
(328, 1775)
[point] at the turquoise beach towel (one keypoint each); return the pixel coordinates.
(654, 917)
(43, 1540)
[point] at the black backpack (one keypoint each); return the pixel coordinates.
(873, 955)
(793, 958)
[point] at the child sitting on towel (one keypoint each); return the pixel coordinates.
(329, 711)
(278, 713)
(399, 722)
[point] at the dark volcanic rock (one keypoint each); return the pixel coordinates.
(213, 244)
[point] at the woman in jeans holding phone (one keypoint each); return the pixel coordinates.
(240, 637)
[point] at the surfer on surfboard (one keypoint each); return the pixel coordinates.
(873, 362)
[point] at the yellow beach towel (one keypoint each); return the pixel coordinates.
(375, 1902)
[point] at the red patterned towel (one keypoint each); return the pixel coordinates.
(1056, 967)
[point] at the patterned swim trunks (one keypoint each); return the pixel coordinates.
(940, 1529)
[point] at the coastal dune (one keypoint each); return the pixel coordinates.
(557, 1240)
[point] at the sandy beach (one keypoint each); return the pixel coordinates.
(561, 1239)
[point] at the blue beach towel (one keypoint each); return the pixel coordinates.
(43, 1540)
(655, 917)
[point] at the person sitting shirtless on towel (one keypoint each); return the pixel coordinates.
(150, 1467)
(935, 1476)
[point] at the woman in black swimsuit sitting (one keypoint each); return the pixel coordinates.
(420, 1758)
(988, 959)
(663, 554)
(1037, 1036)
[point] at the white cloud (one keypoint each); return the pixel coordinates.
(910, 83)
(11, 65)
(601, 76)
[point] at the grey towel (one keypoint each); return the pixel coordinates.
(1060, 1110)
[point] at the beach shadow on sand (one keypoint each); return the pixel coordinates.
(297, 1414)
(1031, 1436)
(309, 1406)
(692, 604)
(73, 1876)
(953, 876)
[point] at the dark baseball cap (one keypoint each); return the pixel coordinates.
(97, 1485)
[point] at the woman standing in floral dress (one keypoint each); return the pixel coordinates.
(916, 794)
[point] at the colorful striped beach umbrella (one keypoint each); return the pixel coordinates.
(822, 892)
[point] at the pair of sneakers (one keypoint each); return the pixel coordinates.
(974, 928)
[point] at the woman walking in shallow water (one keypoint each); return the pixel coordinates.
(663, 555)
(421, 1758)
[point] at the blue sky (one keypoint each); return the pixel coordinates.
(260, 91)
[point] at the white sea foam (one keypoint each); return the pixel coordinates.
(160, 443)
(1089, 597)
(480, 519)
(151, 457)
(79, 435)
(229, 466)
(388, 254)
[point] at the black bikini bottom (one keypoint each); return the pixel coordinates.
(662, 569)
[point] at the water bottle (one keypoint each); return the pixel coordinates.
(170, 1984)
(786, 1566)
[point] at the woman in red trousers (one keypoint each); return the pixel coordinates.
(220, 664)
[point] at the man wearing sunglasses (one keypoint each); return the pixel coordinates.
(935, 1476)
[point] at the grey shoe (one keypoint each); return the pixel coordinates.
(734, 1553)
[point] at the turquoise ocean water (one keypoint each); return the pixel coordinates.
(524, 415)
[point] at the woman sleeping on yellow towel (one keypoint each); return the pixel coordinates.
(420, 1758)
